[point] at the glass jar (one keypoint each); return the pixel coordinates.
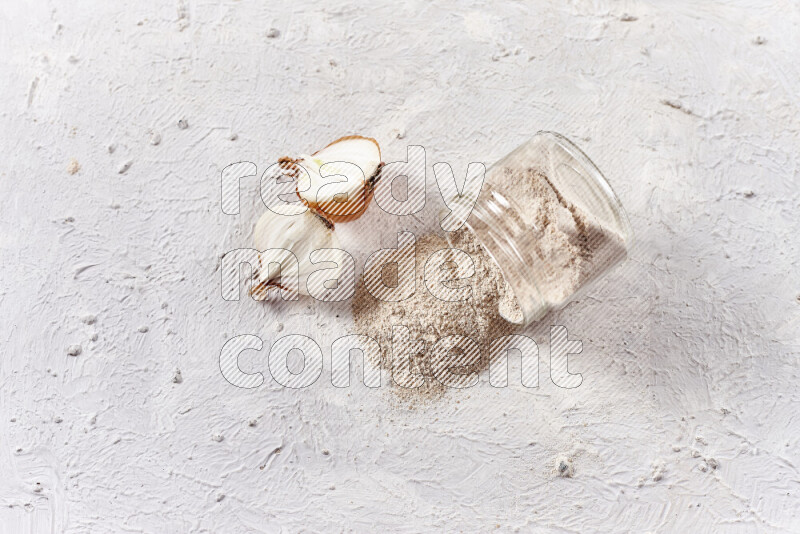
(551, 222)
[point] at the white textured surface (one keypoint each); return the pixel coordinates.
(690, 352)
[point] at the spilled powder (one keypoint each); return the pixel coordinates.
(429, 319)
(563, 247)
(73, 166)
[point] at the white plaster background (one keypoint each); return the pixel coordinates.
(690, 351)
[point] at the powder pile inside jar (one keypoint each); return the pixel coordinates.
(566, 247)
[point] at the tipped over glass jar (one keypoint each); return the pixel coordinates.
(551, 222)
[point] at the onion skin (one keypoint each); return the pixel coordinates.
(355, 207)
